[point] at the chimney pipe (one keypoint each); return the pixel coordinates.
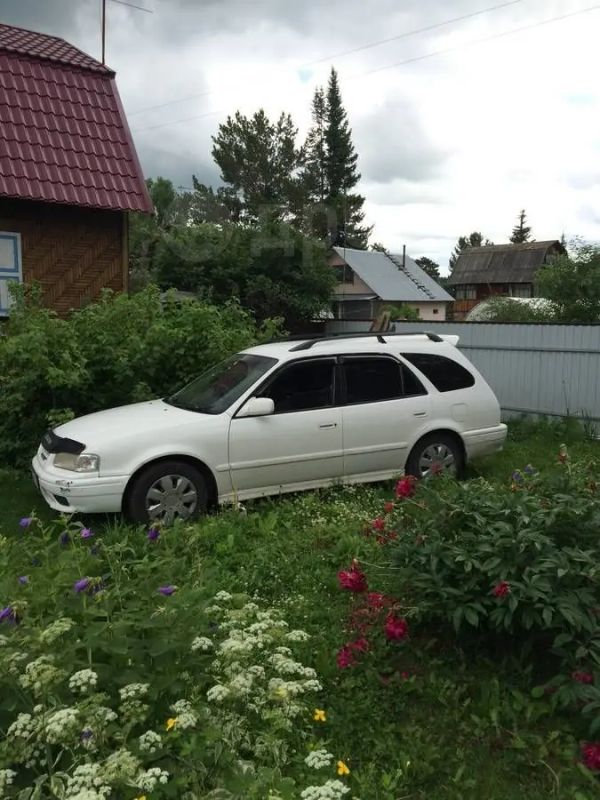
(403, 256)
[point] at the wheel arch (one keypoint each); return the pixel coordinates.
(450, 432)
(207, 473)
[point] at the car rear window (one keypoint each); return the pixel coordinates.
(444, 373)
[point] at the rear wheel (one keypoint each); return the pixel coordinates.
(168, 491)
(434, 454)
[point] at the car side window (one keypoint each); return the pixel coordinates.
(373, 380)
(302, 387)
(444, 373)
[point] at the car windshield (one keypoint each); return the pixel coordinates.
(215, 390)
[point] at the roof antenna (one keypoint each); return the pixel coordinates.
(403, 256)
(103, 32)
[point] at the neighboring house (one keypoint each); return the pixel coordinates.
(370, 280)
(503, 269)
(69, 173)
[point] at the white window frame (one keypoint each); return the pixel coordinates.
(10, 271)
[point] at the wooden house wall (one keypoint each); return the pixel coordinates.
(72, 252)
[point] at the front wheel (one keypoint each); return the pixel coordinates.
(434, 454)
(167, 491)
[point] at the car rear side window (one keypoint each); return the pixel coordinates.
(444, 373)
(373, 380)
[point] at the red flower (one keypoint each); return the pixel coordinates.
(406, 486)
(582, 677)
(396, 628)
(359, 645)
(591, 755)
(353, 579)
(502, 589)
(345, 657)
(377, 600)
(378, 524)
(405, 676)
(388, 508)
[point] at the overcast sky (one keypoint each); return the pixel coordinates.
(447, 144)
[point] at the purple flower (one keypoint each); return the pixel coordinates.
(81, 585)
(64, 539)
(167, 590)
(86, 734)
(86, 533)
(9, 615)
(25, 522)
(153, 534)
(23, 579)
(529, 470)
(517, 476)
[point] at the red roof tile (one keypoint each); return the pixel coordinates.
(64, 137)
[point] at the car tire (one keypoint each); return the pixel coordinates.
(439, 449)
(176, 486)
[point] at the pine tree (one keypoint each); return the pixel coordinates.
(521, 232)
(428, 265)
(331, 210)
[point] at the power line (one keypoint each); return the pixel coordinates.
(476, 41)
(133, 5)
(177, 121)
(414, 59)
(367, 46)
(411, 33)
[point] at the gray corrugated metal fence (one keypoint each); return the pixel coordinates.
(534, 369)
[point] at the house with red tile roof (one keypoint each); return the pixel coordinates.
(69, 172)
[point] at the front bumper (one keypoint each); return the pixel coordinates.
(72, 493)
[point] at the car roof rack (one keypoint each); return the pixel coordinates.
(382, 338)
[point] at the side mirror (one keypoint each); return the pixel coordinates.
(258, 407)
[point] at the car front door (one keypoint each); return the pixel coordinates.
(301, 442)
(385, 404)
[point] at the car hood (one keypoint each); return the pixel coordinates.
(126, 422)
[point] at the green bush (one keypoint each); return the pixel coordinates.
(122, 349)
(518, 565)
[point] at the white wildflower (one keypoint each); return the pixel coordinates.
(212, 610)
(150, 741)
(331, 790)
(40, 674)
(241, 685)
(223, 597)
(297, 636)
(134, 691)
(217, 693)
(86, 783)
(83, 681)
(7, 776)
(62, 726)
(318, 759)
(148, 780)
(202, 643)
(120, 766)
(186, 716)
(23, 727)
(56, 629)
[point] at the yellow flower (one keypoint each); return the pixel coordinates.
(141, 797)
(319, 715)
(171, 722)
(342, 769)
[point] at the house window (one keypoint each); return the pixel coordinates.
(466, 292)
(343, 273)
(520, 290)
(10, 267)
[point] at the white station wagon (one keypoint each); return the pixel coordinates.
(280, 417)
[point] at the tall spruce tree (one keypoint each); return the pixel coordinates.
(521, 232)
(332, 211)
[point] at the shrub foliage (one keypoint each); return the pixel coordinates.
(122, 349)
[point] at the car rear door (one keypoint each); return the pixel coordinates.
(385, 408)
(301, 442)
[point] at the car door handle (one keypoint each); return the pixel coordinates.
(328, 425)
(420, 414)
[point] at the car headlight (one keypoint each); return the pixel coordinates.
(86, 462)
